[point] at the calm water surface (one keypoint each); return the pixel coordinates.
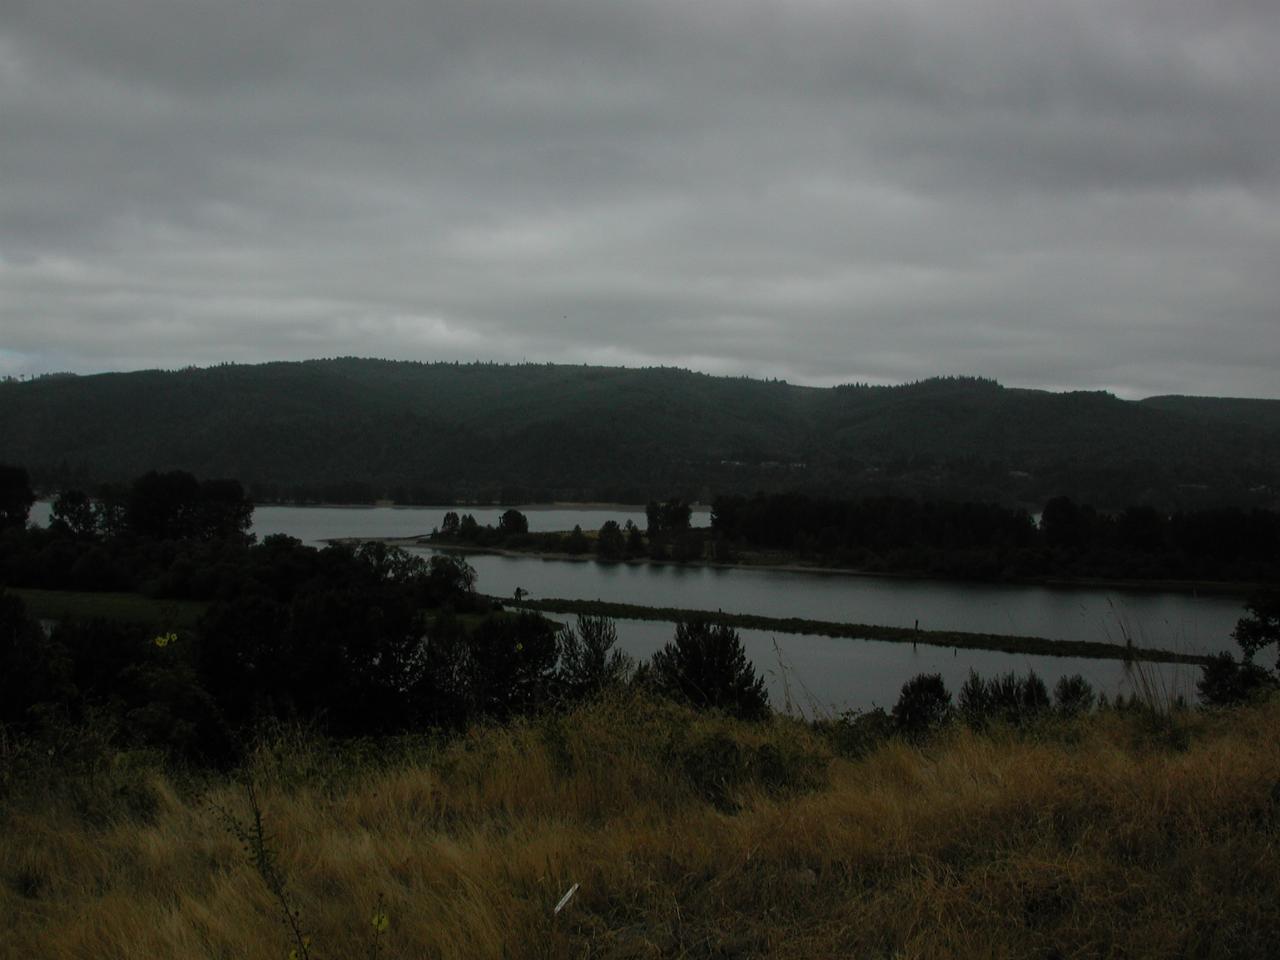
(1169, 620)
(829, 672)
(819, 675)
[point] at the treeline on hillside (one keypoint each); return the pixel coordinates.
(988, 540)
(358, 430)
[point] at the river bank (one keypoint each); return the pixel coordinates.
(1191, 587)
(1004, 643)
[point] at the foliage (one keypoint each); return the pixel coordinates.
(948, 538)
(1261, 627)
(74, 511)
(349, 430)
(1226, 682)
(590, 664)
(31, 671)
(1073, 695)
(706, 665)
(856, 733)
(177, 506)
(610, 543)
(513, 522)
(16, 496)
(923, 706)
(511, 665)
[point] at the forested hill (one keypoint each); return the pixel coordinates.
(359, 429)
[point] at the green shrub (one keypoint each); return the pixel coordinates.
(706, 666)
(923, 706)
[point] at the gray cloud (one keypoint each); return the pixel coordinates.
(1081, 195)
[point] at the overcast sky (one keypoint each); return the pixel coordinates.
(1072, 194)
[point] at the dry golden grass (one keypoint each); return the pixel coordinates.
(691, 836)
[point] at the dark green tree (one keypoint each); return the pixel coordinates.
(576, 541)
(164, 506)
(1224, 681)
(513, 522)
(31, 672)
(511, 664)
(635, 540)
(610, 544)
(675, 515)
(449, 526)
(1261, 627)
(706, 665)
(16, 496)
(1073, 695)
(223, 511)
(589, 662)
(468, 528)
(923, 706)
(75, 512)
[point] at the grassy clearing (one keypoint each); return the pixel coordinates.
(1008, 643)
(123, 607)
(690, 835)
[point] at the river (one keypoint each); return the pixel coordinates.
(835, 673)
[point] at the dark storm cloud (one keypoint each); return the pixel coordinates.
(1078, 194)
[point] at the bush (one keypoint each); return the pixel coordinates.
(706, 666)
(719, 767)
(1224, 682)
(589, 664)
(1007, 698)
(1073, 695)
(855, 733)
(923, 706)
(511, 664)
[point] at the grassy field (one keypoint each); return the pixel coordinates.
(1008, 643)
(129, 607)
(1121, 834)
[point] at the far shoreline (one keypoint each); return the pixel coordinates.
(1211, 587)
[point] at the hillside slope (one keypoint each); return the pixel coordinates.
(1120, 834)
(484, 431)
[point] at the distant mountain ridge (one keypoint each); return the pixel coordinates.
(358, 429)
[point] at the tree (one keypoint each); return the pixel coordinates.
(589, 663)
(1261, 628)
(512, 663)
(513, 522)
(29, 669)
(223, 511)
(635, 539)
(610, 544)
(177, 506)
(1224, 681)
(1062, 523)
(653, 517)
(449, 526)
(450, 580)
(707, 666)
(1073, 695)
(76, 513)
(16, 496)
(923, 705)
(675, 515)
(163, 506)
(576, 541)
(468, 528)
